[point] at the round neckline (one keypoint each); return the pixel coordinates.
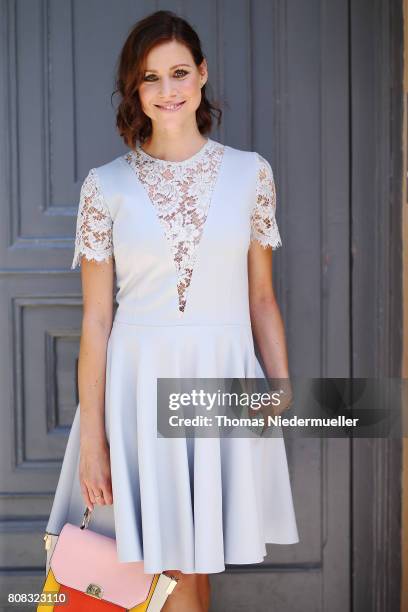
(196, 155)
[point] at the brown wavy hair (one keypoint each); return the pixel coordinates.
(159, 27)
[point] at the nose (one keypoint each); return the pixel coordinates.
(166, 87)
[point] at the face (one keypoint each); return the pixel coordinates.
(170, 92)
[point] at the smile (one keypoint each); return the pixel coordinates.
(170, 107)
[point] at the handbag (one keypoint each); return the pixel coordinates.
(84, 574)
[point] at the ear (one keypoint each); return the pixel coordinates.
(203, 70)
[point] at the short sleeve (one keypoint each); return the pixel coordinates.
(93, 238)
(264, 228)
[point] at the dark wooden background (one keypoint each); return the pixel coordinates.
(314, 86)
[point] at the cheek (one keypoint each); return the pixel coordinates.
(191, 88)
(145, 95)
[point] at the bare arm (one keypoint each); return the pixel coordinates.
(97, 286)
(266, 319)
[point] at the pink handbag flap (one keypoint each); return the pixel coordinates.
(83, 557)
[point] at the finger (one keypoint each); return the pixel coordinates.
(107, 494)
(107, 491)
(98, 496)
(86, 497)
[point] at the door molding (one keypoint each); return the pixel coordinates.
(376, 116)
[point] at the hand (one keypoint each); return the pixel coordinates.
(282, 389)
(95, 473)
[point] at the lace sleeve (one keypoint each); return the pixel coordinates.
(93, 238)
(264, 228)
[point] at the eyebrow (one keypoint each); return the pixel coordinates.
(171, 67)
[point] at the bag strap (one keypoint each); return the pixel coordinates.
(86, 518)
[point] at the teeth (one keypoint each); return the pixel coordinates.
(172, 106)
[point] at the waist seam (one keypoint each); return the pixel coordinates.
(176, 324)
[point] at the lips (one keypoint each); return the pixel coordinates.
(170, 107)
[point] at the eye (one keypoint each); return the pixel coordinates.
(180, 73)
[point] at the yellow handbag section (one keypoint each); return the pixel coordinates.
(52, 586)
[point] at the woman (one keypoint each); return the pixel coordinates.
(188, 226)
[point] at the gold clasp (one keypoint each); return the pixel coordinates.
(95, 590)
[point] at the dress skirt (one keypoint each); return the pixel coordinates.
(192, 504)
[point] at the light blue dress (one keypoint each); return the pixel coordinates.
(179, 234)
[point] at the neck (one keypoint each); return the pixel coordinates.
(173, 146)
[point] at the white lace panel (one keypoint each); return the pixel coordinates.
(93, 238)
(264, 228)
(181, 194)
